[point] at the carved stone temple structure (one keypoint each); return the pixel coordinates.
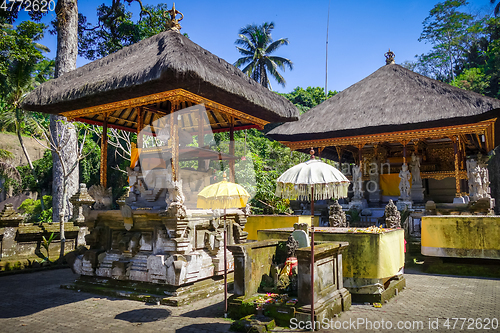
(382, 121)
(174, 94)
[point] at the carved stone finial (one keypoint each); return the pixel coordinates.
(337, 216)
(9, 217)
(392, 216)
(389, 57)
(79, 199)
(172, 22)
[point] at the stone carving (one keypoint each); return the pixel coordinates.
(479, 182)
(80, 199)
(177, 208)
(357, 182)
(415, 170)
(103, 197)
(291, 246)
(9, 217)
(404, 184)
(392, 216)
(337, 216)
(301, 237)
(301, 226)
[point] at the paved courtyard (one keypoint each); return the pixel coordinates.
(35, 303)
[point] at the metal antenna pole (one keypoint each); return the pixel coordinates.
(326, 65)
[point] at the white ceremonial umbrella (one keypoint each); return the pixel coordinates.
(312, 180)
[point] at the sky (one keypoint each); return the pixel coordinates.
(360, 32)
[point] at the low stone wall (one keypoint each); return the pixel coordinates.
(21, 241)
(251, 262)
(261, 222)
(461, 236)
(370, 260)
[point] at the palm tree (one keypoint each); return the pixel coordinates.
(256, 47)
(20, 79)
(497, 7)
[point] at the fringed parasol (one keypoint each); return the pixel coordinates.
(312, 180)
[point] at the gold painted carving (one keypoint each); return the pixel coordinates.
(171, 95)
(432, 133)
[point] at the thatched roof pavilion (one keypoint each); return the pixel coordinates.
(151, 73)
(141, 83)
(394, 109)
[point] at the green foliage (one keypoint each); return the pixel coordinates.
(256, 45)
(46, 245)
(89, 167)
(304, 99)
(473, 79)
(33, 210)
(42, 171)
(116, 29)
(450, 32)
(19, 44)
(6, 155)
(354, 215)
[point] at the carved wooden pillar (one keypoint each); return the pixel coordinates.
(456, 142)
(404, 143)
(140, 126)
(360, 157)
(340, 152)
(231, 149)
(103, 172)
(174, 132)
(201, 139)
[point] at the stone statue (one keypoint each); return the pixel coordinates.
(291, 246)
(392, 216)
(177, 208)
(404, 184)
(357, 182)
(415, 170)
(103, 197)
(479, 182)
(337, 216)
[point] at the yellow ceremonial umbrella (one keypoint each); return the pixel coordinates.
(223, 195)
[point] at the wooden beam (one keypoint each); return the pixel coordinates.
(103, 172)
(231, 149)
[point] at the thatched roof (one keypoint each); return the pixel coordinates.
(391, 99)
(161, 63)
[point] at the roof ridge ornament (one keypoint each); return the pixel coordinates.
(172, 22)
(389, 58)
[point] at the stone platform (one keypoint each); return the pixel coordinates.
(151, 292)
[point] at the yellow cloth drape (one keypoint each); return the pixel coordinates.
(389, 184)
(134, 156)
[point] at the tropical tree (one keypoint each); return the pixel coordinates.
(451, 32)
(497, 7)
(256, 45)
(23, 67)
(115, 28)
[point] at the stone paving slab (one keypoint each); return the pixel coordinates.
(35, 303)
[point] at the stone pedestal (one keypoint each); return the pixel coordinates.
(417, 193)
(374, 196)
(403, 204)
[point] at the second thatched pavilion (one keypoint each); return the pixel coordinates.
(396, 122)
